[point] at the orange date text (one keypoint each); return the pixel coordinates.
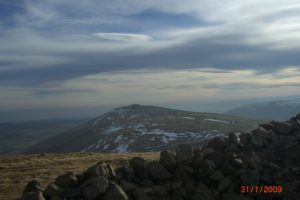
(266, 189)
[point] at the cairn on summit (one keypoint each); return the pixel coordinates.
(266, 156)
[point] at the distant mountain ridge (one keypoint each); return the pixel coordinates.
(269, 110)
(139, 128)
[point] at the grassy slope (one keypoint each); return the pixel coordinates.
(16, 171)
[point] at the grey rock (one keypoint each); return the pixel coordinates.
(206, 152)
(208, 166)
(65, 180)
(128, 186)
(224, 184)
(100, 169)
(202, 188)
(215, 192)
(217, 157)
(184, 153)
(259, 136)
(52, 190)
(197, 161)
(252, 159)
(71, 192)
(160, 190)
(120, 173)
(269, 153)
(94, 187)
(157, 172)
(168, 160)
(267, 126)
(198, 196)
(274, 166)
(175, 195)
(217, 143)
(233, 139)
(287, 141)
(37, 195)
(202, 192)
(292, 152)
(147, 190)
(146, 183)
(56, 198)
(217, 176)
(33, 186)
(231, 148)
(127, 172)
(180, 174)
(139, 194)
(183, 192)
(201, 176)
(175, 185)
(139, 166)
(237, 162)
(115, 193)
(266, 176)
(282, 127)
(227, 169)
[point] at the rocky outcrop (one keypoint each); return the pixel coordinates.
(233, 168)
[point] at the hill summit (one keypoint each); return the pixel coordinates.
(124, 129)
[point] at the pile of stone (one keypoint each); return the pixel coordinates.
(266, 156)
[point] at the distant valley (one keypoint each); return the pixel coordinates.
(17, 136)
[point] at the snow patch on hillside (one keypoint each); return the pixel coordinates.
(217, 120)
(112, 129)
(119, 138)
(122, 148)
(191, 118)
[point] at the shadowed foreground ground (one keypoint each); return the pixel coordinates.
(17, 171)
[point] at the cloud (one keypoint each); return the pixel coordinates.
(88, 37)
(62, 52)
(150, 87)
(123, 37)
(67, 57)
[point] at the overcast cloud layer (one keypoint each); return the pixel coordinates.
(89, 51)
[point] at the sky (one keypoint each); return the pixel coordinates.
(80, 58)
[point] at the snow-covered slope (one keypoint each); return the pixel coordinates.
(138, 128)
(270, 110)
